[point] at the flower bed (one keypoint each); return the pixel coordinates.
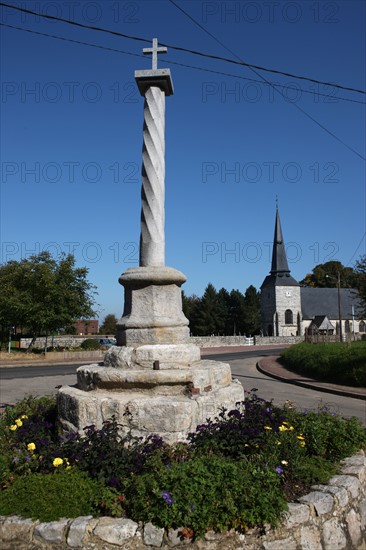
(235, 475)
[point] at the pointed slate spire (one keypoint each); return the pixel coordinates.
(279, 259)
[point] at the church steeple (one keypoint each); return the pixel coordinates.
(280, 272)
(279, 259)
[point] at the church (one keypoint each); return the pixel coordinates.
(289, 309)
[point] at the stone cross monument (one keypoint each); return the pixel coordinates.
(154, 380)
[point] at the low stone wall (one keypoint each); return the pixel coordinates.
(331, 517)
(269, 340)
(223, 341)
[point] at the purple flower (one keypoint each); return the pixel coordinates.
(279, 470)
(167, 497)
(28, 458)
(16, 459)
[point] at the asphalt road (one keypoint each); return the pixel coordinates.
(18, 382)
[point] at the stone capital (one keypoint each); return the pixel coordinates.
(161, 78)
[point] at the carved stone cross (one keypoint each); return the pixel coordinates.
(155, 50)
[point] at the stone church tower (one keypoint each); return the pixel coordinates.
(280, 293)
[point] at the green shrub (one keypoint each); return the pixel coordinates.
(90, 344)
(49, 497)
(206, 493)
(336, 362)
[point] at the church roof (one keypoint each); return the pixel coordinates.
(324, 301)
(321, 322)
(279, 258)
(280, 272)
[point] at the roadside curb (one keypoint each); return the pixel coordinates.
(271, 367)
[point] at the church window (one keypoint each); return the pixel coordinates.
(362, 326)
(288, 317)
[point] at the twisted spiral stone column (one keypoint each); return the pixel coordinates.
(152, 239)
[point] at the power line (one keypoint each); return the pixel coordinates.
(203, 69)
(253, 69)
(187, 50)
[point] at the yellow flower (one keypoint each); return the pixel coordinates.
(285, 423)
(302, 443)
(31, 447)
(291, 428)
(68, 467)
(23, 416)
(13, 427)
(267, 428)
(18, 422)
(57, 462)
(301, 437)
(278, 442)
(283, 428)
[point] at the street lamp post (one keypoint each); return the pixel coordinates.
(338, 279)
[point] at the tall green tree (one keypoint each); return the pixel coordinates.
(109, 325)
(43, 294)
(360, 282)
(210, 316)
(326, 275)
(237, 313)
(252, 311)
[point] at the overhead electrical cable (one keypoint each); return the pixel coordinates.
(253, 69)
(186, 50)
(203, 69)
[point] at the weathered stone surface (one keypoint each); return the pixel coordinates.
(119, 357)
(53, 532)
(340, 493)
(358, 471)
(153, 536)
(77, 531)
(115, 530)
(169, 356)
(333, 535)
(362, 508)
(309, 538)
(288, 544)
(354, 527)
(172, 415)
(322, 502)
(350, 483)
(153, 307)
(175, 537)
(296, 515)
(16, 528)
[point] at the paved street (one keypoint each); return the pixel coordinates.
(17, 382)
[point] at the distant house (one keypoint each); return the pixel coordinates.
(86, 327)
(289, 309)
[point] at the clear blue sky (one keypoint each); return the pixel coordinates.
(71, 149)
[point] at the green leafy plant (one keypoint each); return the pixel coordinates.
(335, 362)
(205, 493)
(90, 344)
(49, 497)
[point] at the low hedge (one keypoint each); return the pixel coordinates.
(341, 363)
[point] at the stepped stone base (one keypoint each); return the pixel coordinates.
(170, 402)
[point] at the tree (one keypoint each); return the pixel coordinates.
(252, 311)
(43, 294)
(210, 315)
(326, 275)
(109, 325)
(237, 312)
(360, 281)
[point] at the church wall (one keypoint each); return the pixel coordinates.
(287, 298)
(268, 309)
